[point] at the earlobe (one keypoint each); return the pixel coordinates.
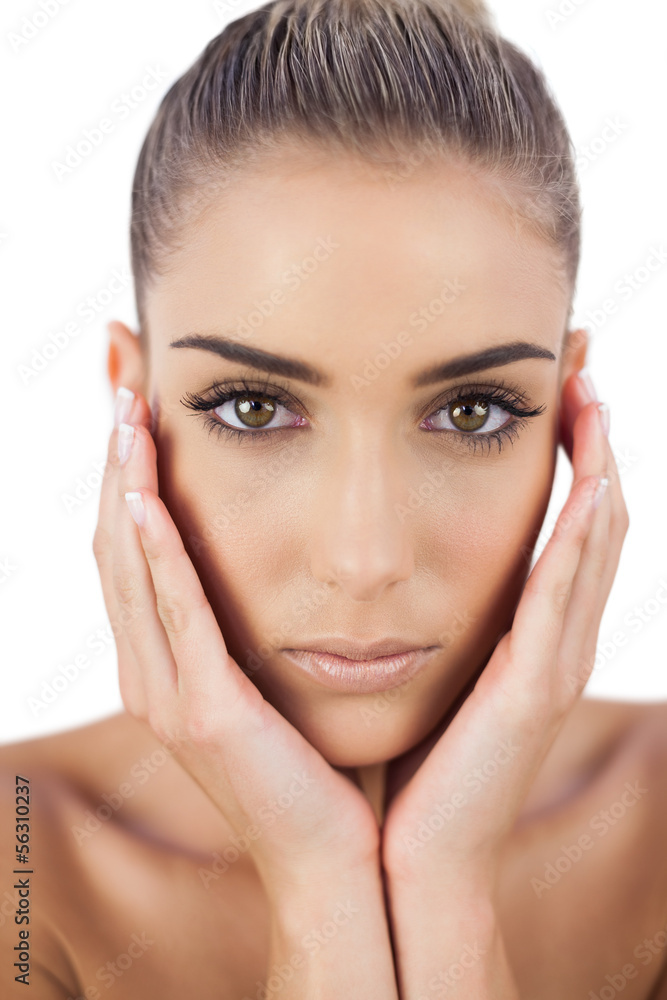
(126, 364)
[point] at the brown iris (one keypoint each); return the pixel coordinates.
(254, 411)
(469, 413)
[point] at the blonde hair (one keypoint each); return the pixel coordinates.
(380, 78)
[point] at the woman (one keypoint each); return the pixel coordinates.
(354, 759)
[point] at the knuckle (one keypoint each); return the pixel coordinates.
(155, 718)
(537, 709)
(597, 566)
(560, 703)
(201, 726)
(134, 706)
(126, 587)
(625, 519)
(101, 544)
(544, 708)
(175, 618)
(560, 596)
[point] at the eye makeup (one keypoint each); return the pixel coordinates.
(468, 408)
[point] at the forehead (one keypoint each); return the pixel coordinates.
(326, 257)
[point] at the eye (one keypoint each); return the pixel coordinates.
(469, 414)
(482, 416)
(246, 412)
(253, 411)
(473, 415)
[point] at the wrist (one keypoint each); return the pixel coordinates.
(473, 883)
(331, 938)
(311, 878)
(445, 932)
(304, 895)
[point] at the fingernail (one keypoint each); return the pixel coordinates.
(123, 407)
(600, 489)
(603, 410)
(125, 439)
(585, 376)
(136, 505)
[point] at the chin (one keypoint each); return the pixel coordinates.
(360, 732)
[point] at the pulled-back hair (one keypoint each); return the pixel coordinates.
(391, 80)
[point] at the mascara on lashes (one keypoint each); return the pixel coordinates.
(508, 398)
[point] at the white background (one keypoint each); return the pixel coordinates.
(62, 239)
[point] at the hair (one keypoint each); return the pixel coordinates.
(389, 80)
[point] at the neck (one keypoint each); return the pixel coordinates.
(372, 780)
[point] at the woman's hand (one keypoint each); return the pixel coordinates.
(444, 829)
(175, 674)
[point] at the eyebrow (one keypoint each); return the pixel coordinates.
(466, 364)
(491, 357)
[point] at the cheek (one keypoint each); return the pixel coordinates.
(477, 532)
(238, 514)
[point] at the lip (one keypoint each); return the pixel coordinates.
(355, 675)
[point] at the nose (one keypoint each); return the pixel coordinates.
(357, 539)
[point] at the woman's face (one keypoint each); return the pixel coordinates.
(372, 507)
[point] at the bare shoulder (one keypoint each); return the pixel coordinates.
(41, 957)
(622, 714)
(598, 727)
(651, 742)
(123, 852)
(636, 733)
(627, 734)
(636, 726)
(585, 874)
(41, 779)
(76, 753)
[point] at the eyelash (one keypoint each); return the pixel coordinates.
(507, 397)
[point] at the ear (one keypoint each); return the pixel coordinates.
(127, 363)
(573, 360)
(574, 354)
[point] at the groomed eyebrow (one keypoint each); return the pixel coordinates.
(275, 364)
(491, 357)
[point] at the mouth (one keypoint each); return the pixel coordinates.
(361, 673)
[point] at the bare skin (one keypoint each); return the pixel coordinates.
(139, 871)
(155, 867)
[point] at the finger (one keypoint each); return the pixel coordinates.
(152, 656)
(539, 617)
(207, 678)
(575, 396)
(132, 692)
(600, 562)
(592, 580)
(619, 520)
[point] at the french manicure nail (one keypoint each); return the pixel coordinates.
(603, 410)
(125, 439)
(136, 505)
(600, 489)
(123, 407)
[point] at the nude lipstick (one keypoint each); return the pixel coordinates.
(358, 671)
